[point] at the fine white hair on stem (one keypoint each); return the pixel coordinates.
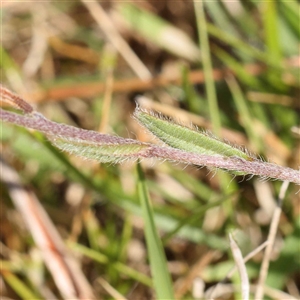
(185, 145)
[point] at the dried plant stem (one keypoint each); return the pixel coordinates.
(271, 238)
(106, 100)
(238, 258)
(15, 100)
(115, 38)
(64, 268)
(248, 257)
(211, 293)
(110, 289)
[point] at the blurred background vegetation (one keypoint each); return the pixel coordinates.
(234, 72)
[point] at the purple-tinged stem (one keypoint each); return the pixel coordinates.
(256, 167)
(40, 123)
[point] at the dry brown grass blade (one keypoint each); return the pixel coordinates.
(228, 289)
(116, 39)
(39, 45)
(106, 102)
(110, 289)
(259, 294)
(185, 284)
(213, 291)
(72, 51)
(240, 264)
(91, 89)
(65, 270)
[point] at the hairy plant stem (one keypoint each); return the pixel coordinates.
(107, 148)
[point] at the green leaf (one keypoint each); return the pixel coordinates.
(187, 139)
(158, 31)
(106, 153)
(159, 269)
(270, 19)
(101, 258)
(21, 288)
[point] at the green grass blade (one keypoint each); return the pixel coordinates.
(219, 16)
(238, 68)
(118, 266)
(207, 66)
(6, 62)
(290, 11)
(161, 277)
(197, 214)
(240, 46)
(245, 114)
(192, 99)
(271, 30)
(214, 111)
(159, 32)
(78, 174)
(19, 286)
